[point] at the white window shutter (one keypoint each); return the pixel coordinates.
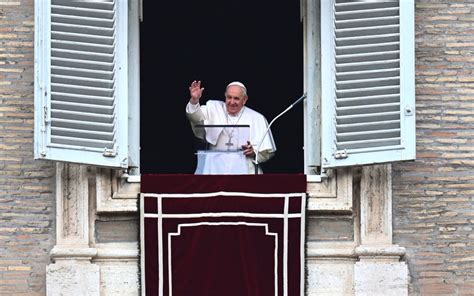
(367, 75)
(81, 84)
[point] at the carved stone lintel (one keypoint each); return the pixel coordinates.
(334, 194)
(389, 253)
(333, 251)
(115, 194)
(327, 188)
(63, 253)
(117, 252)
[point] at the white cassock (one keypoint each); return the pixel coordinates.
(215, 113)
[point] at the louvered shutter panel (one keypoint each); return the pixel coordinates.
(368, 98)
(81, 82)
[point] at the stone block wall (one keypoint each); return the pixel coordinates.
(26, 186)
(433, 197)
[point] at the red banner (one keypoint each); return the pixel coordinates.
(223, 235)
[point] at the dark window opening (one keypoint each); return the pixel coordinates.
(259, 43)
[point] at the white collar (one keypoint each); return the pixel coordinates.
(235, 115)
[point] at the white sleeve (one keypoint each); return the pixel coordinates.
(190, 108)
(195, 116)
(196, 113)
(265, 155)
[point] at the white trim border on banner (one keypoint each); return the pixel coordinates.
(275, 256)
(285, 216)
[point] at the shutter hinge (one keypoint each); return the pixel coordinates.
(341, 154)
(45, 117)
(109, 152)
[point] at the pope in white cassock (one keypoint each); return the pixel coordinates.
(232, 149)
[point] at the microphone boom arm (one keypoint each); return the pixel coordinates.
(268, 128)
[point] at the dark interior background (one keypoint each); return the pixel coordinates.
(259, 43)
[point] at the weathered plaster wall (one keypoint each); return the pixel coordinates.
(433, 198)
(26, 186)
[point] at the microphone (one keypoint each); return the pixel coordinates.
(255, 162)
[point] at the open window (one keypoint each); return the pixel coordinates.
(359, 76)
(256, 42)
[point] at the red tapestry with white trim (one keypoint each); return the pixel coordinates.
(222, 235)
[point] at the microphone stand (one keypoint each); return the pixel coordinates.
(255, 162)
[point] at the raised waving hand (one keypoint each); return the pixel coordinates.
(195, 91)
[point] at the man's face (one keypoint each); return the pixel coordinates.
(234, 99)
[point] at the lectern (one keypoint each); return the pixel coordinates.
(219, 151)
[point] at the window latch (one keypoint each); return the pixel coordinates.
(109, 152)
(341, 154)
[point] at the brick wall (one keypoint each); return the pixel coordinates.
(434, 196)
(26, 186)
